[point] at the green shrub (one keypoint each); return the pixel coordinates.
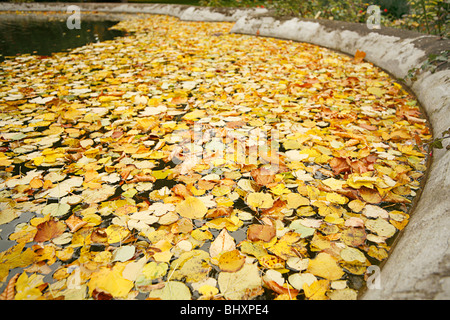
(431, 16)
(395, 8)
(427, 16)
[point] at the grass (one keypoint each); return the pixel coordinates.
(190, 2)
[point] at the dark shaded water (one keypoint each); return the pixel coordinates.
(44, 36)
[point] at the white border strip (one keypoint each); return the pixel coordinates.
(418, 268)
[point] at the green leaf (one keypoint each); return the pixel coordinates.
(173, 290)
(437, 143)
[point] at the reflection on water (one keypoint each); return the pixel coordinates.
(33, 34)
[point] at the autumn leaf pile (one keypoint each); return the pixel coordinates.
(108, 190)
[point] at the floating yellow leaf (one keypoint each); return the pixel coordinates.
(260, 200)
(116, 233)
(208, 290)
(111, 281)
(325, 266)
(28, 287)
(192, 208)
(271, 262)
(200, 235)
(317, 290)
(173, 290)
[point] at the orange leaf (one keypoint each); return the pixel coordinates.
(179, 100)
(257, 232)
(263, 176)
(49, 230)
(36, 183)
(219, 212)
(90, 175)
(47, 184)
(290, 292)
(231, 261)
(75, 223)
(359, 56)
(181, 190)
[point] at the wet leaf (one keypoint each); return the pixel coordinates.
(260, 200)
(381, 227)
(257, 232)
(49, 230)
(173, 290)
(223, 242)
(325, 266)
(235, 285)
(191, 266)
(317, 290)
(123, 253)
(297, 280)
(192, 208)
(110, 281)
(354, 237)
(231, 261)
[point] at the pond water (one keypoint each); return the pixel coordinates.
(20, 34)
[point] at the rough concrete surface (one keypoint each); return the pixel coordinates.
(419, 266)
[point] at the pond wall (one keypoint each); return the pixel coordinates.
(419, 266)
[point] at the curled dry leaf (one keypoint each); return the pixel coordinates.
(75, 223)
(9, 292)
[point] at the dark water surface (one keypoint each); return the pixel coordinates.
(44, 35)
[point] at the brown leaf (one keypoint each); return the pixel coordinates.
(370, 195)
(9, 292)
(340, 165)
(354, 236)
(99, 235)
(49, 230)
(98, 294)
(141, 178)
(275, 211)
(263, 176)
(219, 212)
